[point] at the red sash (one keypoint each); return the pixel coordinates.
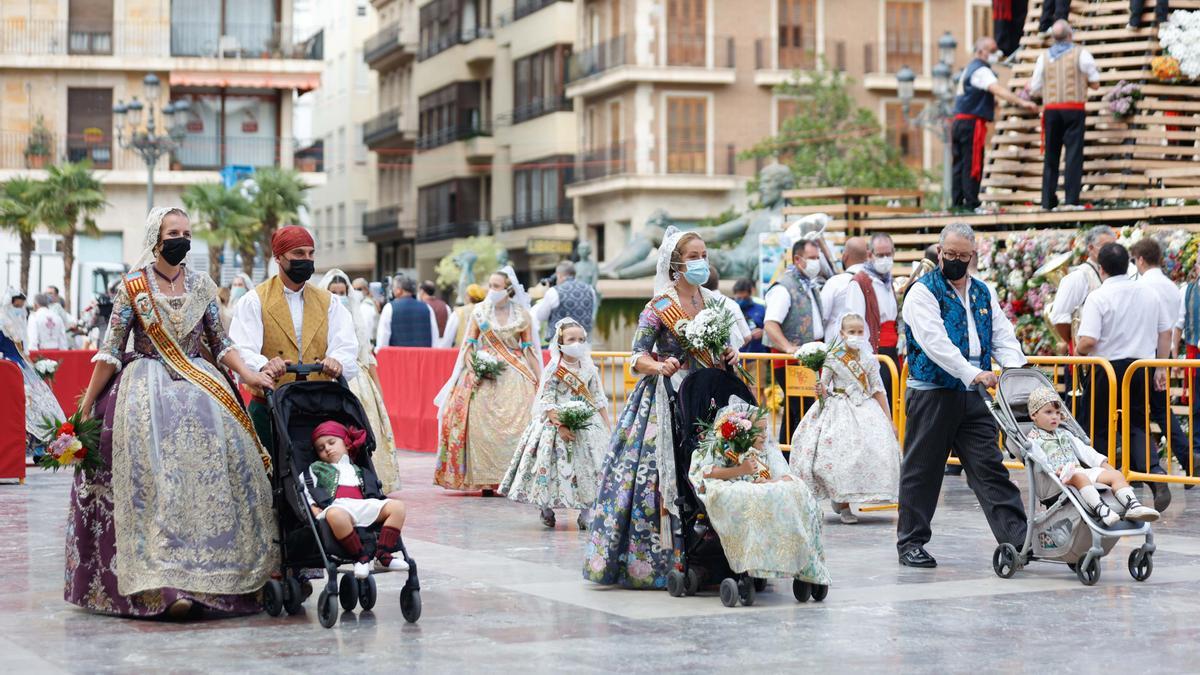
(1070, 105)
(888, 336)
(978, 141)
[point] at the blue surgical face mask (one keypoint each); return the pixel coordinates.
(236, 293)
(696, 272)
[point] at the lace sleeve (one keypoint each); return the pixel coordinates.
(215, 339)
(874, 381)
(644, 337)
(119, 325)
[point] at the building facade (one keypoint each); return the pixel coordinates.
(64, 64)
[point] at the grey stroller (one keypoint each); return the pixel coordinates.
(1060, 527)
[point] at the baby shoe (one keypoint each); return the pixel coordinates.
(1107, 516)
(362, 570)
(1141, 513)
(395, 564)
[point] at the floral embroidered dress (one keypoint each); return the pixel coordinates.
(846, 449)
(182, 509)
(483, 420)
(40, 402)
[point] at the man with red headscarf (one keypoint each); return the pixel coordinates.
(286, 320)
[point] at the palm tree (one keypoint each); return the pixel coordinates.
(229, 220)
(67, 202)
(17, 214)
(277, 200)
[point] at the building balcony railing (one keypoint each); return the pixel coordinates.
(388, 130)
(541, 106)
(523, 8)
(682, 51)
(443, 231)
(564, 213)
(433, 139)
(386, 222)
(681, 159)
(262, 40)
(387, 44)
(432, 46)
(613, 160)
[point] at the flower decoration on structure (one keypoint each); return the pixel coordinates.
(1180, 38)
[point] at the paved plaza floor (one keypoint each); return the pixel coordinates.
(502, 594)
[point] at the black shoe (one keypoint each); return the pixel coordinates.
(489, 493)
(952, 470)
(917, 556)
(1162, 496)
(547, 516)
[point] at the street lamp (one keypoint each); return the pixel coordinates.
(938, 115)
(148, 141)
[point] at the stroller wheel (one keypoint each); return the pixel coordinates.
(367, 593)
(819, 592)
(327, 611)
(729, 592)
(1004, 560)
(692, 581)
(1141, 564)
(675, 583)
(410, 604)
(760, 585)
(801, 589)
(746, 591)
(293, 595)
(348, 592)
(273, 597)
(1088, 571)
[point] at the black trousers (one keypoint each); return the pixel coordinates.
(938, 420)
(885, 373)
(964, 188)
(1138, 7)
(1008, 32)
(1136, 421)
(1053, 10)
(1174, 431)
(788, 426)
(1063, 128)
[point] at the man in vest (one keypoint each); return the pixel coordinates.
(855, 253)
(973, 109)
(872, 297)
(427, 294)
(794, 317)
(286, 320)
(1063, 75)
(955, 328)
(406, 321)
(569, 297)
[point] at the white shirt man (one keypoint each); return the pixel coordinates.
(246, 330)
(1087, 65)
(833, 297)
(778, 303)
(383, 334)
(1124, 320)
(46, 331)
(856, 302)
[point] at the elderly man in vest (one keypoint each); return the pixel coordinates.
(286, 320)
(569, 297)
(406, 321)
(872, 297)
(974, 107)
(955, 328)
(794, 317)
(1063, 75)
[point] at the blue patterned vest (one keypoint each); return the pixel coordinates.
(575, 300)
(954, 316)
(798, 325)
(1191, 317)
(410, 323)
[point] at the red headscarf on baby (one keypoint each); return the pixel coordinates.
(288, 238)
(354, 438)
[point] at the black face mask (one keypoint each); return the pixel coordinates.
(299, 271)
(175, 250)
(953, 270)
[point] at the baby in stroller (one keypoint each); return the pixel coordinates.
(341, 495)
(1077, 464)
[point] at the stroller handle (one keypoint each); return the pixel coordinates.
(302, 371)
(983, 393)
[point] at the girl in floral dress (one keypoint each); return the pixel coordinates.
(846, 448)
(555, 467)
(630, 540)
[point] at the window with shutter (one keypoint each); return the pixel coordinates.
(686, 134)
(797, 34)
(686, 27)
(904, 22)
(89, 126)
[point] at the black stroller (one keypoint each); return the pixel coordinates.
(305, 542)
(702, 560)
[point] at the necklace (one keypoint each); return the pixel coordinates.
(169, 280)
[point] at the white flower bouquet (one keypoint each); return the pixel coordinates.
(576, 415)
(46, 368)
(485, 366)
(812, 355)
(1180, 37)
(707, 336)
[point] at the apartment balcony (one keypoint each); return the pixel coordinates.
(481, 46)
(389, 48)
(880, 73)
(523, 8)
(684, 59)
(389, 130)
(613, 169)
(385, 224)
(471, 130)
(444, 231)
(775, 65)
(564, 214)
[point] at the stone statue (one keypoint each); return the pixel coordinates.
(502, 260)
(466, 276)
(637, 258)
(587, 272)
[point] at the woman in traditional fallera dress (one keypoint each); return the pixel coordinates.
(480, 421)
(40, 402)
(630, 541)
(846, 448)
(365, 385)
(179, 520)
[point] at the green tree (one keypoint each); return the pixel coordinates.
(487, 252)
(276, 201)
(17, 215)
(227, 218)
(830, 141)
(67, 203)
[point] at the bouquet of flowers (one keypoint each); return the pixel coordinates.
(1165, 68)
(576, 415)
(1180, 37)
(707, 336)
(1120, 101)
(76, 444)
(485, 366)
(732, 435)
(46, 368)
(812, 355)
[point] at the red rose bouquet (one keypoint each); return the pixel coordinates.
(76, 444)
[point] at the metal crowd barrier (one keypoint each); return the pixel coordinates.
(1181, 372)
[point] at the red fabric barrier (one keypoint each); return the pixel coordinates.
(74, 372)
(410, 378)
(12, 423)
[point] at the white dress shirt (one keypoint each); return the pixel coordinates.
(885, 296)
(1087, 64)
(1125, 318)
(982, 78)
(739, 334)
(1072, 291)
(779, 301)
(451, 332)
(833, 297)
(369, 314)
(383, 334)
(46, 331)
(1168, 294)
(246, 331)
(923, 316)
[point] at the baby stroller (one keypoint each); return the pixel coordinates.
(1063, 529)
(702, 560)
(296, 409)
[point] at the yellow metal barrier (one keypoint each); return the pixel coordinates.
(1143, 369)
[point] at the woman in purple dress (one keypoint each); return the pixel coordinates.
(178, 522)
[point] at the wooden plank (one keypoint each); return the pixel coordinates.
(837, 192)
(849, 209)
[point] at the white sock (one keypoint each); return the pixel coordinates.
(1091, 496)
(1127, 496)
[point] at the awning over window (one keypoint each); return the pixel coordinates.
(298, 81)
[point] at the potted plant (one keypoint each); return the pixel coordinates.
(40, 145)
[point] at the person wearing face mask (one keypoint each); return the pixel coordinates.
(406, 321)
(794, 317)
(845, 449)
(739, 332)
(872, 296)
(974, 107)
(955, 328)
(753, 311)
(16, 317)
(287, 320)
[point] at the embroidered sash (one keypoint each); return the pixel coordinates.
(852, 364)
(573, 382)
(174, 357)
(670, 313)
(486, 333)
